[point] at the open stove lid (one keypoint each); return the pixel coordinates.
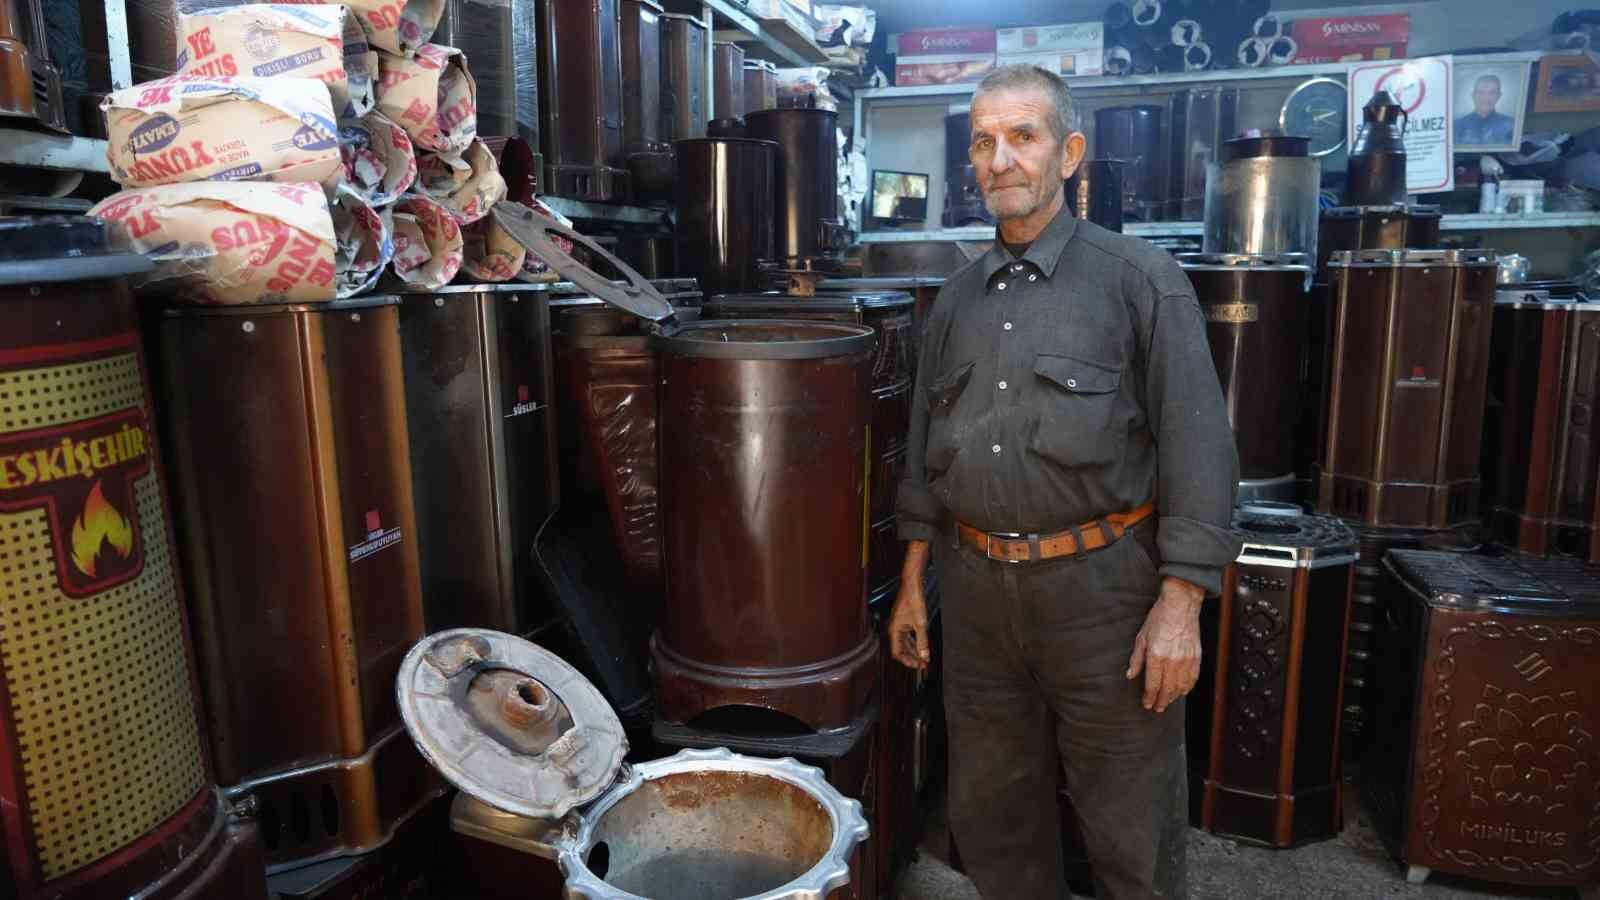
(509, 722)
(533, 231)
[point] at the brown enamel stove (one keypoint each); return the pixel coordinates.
(764, 455)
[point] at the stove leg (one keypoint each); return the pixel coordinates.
(1417, 874)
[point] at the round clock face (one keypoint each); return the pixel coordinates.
(1317, 109)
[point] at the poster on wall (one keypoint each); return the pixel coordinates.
(1568, 82)
(1425, 90)
(1490, 99)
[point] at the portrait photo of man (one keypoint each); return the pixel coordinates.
(1493, 99)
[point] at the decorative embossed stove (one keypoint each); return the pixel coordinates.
(1271, 764)
(1486, 762)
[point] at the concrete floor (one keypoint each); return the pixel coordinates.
(1354, 865)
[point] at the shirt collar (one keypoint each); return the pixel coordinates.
(1045, 251)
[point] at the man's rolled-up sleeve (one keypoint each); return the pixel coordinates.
(1198, 463)
(921, 514)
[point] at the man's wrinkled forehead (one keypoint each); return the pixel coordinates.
(997, 112)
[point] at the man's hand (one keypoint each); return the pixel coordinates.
(908, 623)
(1168, 647)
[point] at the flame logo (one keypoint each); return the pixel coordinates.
(99, 523)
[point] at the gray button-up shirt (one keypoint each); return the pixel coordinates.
(1066, 385)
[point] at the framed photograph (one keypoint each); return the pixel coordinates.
(1568, 82)
(1490, 100)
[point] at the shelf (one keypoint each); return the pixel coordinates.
(733, 17)
(584, 211)
(1159, 79)
(802, 46)
(52, 151)
(1462, 222)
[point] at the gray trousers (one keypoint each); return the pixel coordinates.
(1034, 672)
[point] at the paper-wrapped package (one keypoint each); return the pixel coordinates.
(468, 185)
(432, 96)
(272, 40)
(186, 128)
(365, 242)
(490, 253)
(379, 162)
(427, 244)
(227, 242)
(400, 27)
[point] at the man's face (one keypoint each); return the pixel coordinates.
(1020, 164)
(1485, 96)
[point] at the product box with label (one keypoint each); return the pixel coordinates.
(1324, 39)
(953, 55)
(1076, 49)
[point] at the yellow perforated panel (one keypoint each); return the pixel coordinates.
(105, 717)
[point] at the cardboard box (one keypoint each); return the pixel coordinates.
(954, 55)
(1325, 39)
(1083, 62)
(1074, 38)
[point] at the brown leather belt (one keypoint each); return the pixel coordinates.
(1023, 548)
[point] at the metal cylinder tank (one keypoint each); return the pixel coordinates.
(1094, 192)
(479, 389)
(580, 99)
(725, 190)
(1255, 309)
(1261, 197)
(1409, 368)
(727, 81)
(287, 432)
(764, 457)
(807, 185)
(1400, 227)
(641, 75)
(105, 791)
(684, 87)
(1133, 134)
(760, 85)
(891, 315)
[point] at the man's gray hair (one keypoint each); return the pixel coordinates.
(1490, 77)
(1026, 77)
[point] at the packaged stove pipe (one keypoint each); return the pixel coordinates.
(263, 40)
(468, 184)
(432, 96)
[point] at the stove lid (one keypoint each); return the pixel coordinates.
(534, 231)
(1280, 536)
(35, 249)
(1523, 585)
(509, 722)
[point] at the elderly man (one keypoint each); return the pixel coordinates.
(1072, 469)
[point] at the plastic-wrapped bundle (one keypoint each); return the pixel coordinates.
(379, 161)
(427, 245)
(225, 242)
(365, 242)
(500, 39)
(432, 96)
(467, 185)
(268, 41)
(183, 128)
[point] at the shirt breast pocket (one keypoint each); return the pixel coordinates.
(1077, 411)
(943, 441)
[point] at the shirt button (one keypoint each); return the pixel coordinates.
(1002, 285)
(995, 448)
(1017, 267)
(1033, 278)
(1072, 382)
(1002, 385)
(1007, 326)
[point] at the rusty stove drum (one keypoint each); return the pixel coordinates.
(287, 428)
(891, 314)
(104, 788)
(1274, 674)
(479, 391)
(1484, 761)
(1408, 371)
(764, 507)
(538, 756)
(1255, 309)
(1542, 446)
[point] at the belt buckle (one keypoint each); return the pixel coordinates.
(988, 545)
